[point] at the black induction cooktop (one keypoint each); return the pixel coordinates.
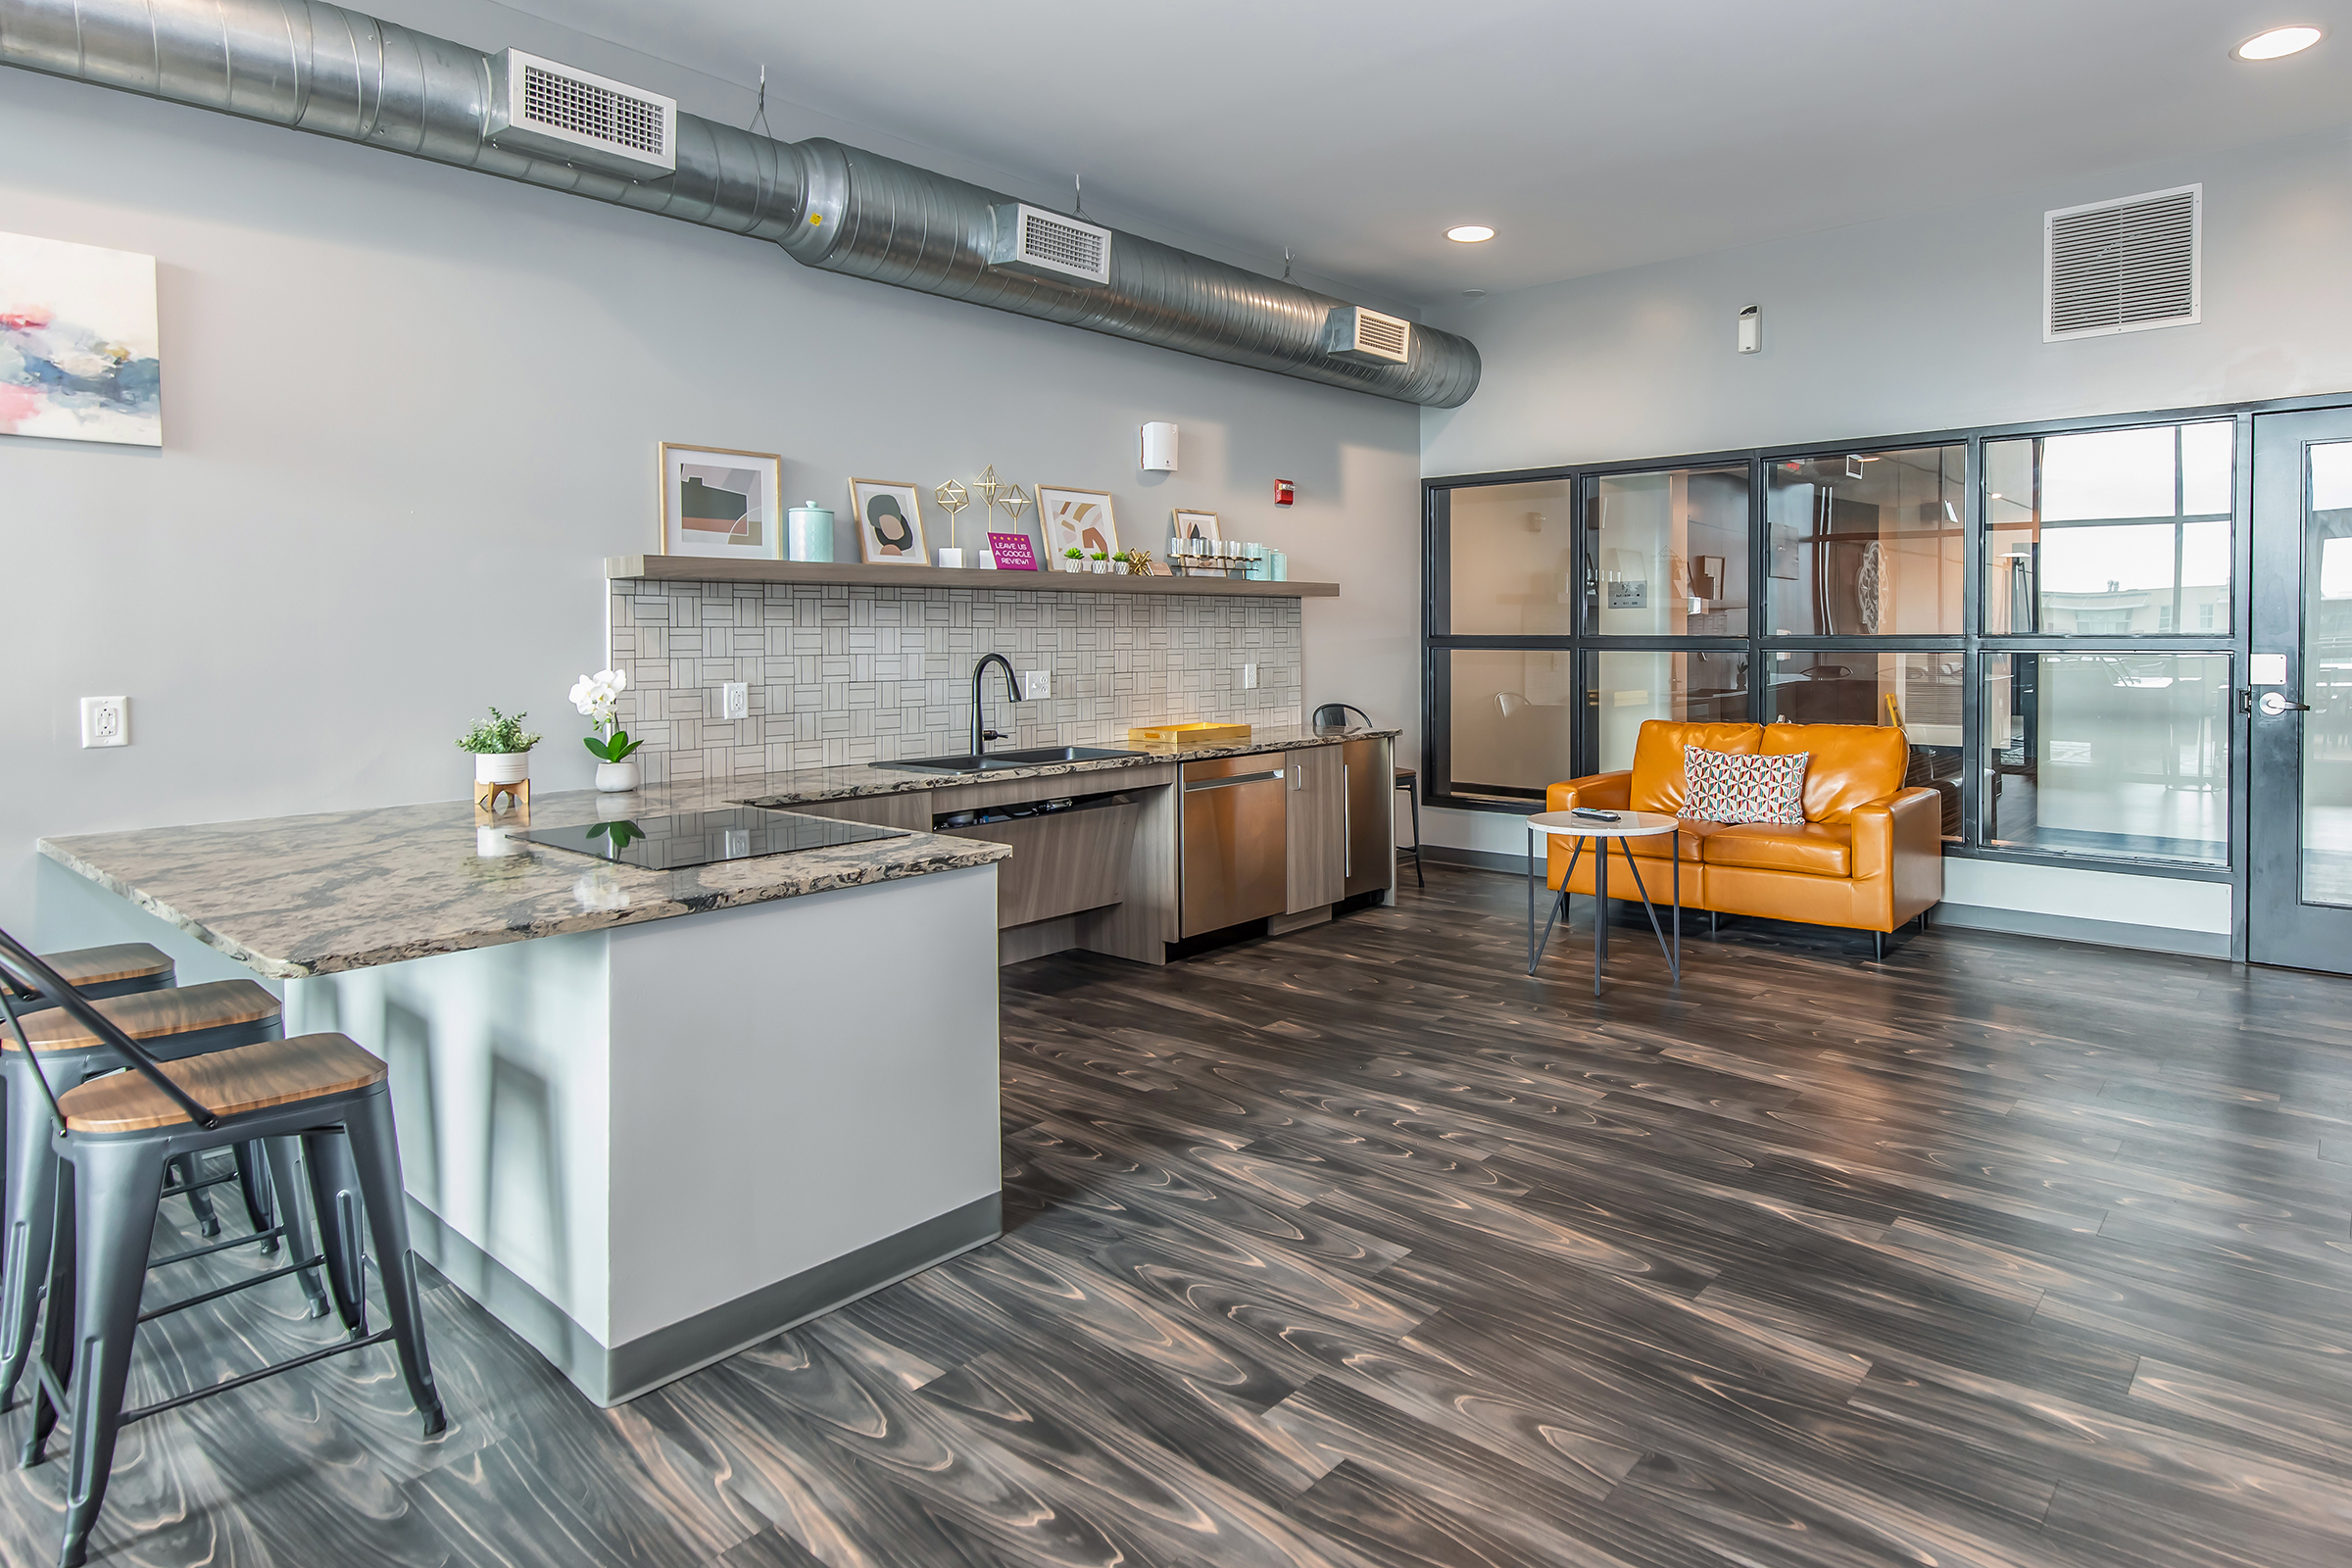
(703, 838)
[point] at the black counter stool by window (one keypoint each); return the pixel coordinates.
(174, 1023)
(114, 1137)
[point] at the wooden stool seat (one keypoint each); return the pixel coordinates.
(84, 967)
(1404, 777)
(231, 1083)
(154, 1014)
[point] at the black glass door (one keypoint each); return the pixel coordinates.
(2299, 685)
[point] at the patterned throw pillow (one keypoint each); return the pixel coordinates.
(1726, 787)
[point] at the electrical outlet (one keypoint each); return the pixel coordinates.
(1248, 678)
(1037, 684)
(106, 721)
(735, 700)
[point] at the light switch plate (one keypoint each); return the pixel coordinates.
(106, 721)
(735, 699)
(1037, 684)
(1248, 678)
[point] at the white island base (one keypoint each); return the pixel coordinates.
(645, 1148)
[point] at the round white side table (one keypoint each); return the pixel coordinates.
(1597, 833)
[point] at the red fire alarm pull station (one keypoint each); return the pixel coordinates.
(1283, 493)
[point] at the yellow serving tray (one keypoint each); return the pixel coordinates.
(1179, 736)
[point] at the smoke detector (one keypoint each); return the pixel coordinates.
(1043, 244)
(552, 110)
(1351, 332)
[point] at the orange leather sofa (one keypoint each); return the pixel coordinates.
(1869, 855)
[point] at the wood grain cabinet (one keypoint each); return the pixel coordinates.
(1319, 828)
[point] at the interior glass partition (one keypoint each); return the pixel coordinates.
(1666, 553)
(1514, 719)
(1626, 686)
(1922, 693)
(1510, 559)
(1867, 544)
(2110, 532)
(2116, 753)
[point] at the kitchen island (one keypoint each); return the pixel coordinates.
(651, 1116)
(647, 1117)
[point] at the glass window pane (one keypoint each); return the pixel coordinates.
(1510, 558)
(2328, 678)
(2110, 532)
(1922, 692)
(1668, 554)
(1629, 687)
(1867, 544)
(1514, 719)
(2116, 753)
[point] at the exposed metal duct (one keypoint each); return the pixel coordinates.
(317, 67)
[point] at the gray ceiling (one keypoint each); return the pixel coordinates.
(1591, 135)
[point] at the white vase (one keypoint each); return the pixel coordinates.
(1099, 568)
(501, 767)
(614, 777)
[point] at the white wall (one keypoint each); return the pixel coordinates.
(1925, 322)
(409, 409)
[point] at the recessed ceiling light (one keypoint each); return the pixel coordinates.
(2279, 42)
(1470, 234)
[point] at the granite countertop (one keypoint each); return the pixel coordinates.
(296, 896)
(804, 785)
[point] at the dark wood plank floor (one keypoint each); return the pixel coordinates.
(1360, 1248)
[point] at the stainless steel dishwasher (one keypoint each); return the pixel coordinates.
(1233, 854)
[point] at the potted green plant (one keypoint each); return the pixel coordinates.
(597, 697)
(500, 748)
(1073, 559)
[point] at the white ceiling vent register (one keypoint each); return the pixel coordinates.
(1351, 332)
(552, 110)
(1043, 244)
(2122, 265)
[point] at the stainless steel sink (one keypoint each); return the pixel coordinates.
(1034, 757)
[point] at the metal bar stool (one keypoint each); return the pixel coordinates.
(1405, 781)
(114, 1135)
(174, 1023)
(126, 968)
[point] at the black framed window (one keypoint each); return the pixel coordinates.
(2111, 533)
(1974, 587)
(1666, 551)
(1867, 544)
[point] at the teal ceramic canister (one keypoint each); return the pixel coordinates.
(809, 533)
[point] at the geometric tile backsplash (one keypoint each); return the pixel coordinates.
(860, 673)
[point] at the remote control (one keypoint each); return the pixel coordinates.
(1595, 813)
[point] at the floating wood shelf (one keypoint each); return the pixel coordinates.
(705, 569)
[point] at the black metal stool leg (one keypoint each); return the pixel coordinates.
(30, 1200)
(1412, 800)
(117, 1186)
(184, 1169)
(284, 1165)
(336, 1196)
(56, 1370)
(253, 1184)
(374, 1148)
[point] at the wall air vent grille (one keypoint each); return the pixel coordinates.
(552, 111)
(1367, 337)
(2122, 265)
(1046, 244)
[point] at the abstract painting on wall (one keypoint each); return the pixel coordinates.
(720, 501)
(79, 353)
(1076, 520)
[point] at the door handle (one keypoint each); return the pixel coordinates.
(2273, 704)
(1191, 785)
